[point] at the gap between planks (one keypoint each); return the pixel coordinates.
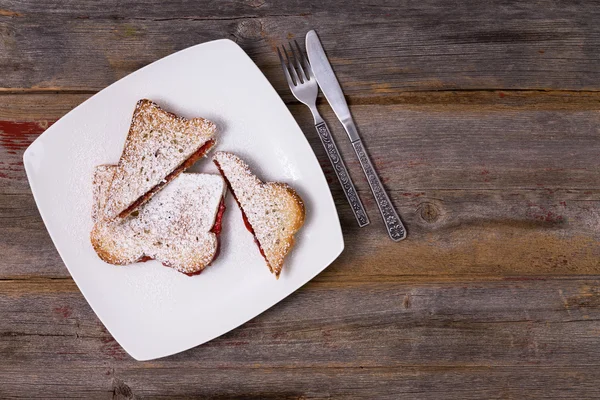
(36, 284)
(494, 98)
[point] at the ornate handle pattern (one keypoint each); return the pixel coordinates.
(342, 173)
(391, 219)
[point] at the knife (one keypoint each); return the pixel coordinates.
(334, 95)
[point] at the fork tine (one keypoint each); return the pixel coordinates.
(298, 63)
(307, 67)
(294, 74)
(286, 72)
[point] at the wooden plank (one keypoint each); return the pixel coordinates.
(453, 235)
(379, 49)
(484, 192)
(531, 382)
(512, 338)
(415, 146)
(483, 122)
(215, 9)
(341, 325)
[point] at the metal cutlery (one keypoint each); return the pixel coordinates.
(301, 81)
(333, 93)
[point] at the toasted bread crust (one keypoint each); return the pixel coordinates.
(175, 227)
(274, 210)
(298, 212)
(111, 251)
(159, 146)
(187, 163)
(103, 176)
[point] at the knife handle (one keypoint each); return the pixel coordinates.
(342, 173)
(391, 219)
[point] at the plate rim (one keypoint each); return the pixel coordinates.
(27, 158)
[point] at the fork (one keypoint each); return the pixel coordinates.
(303, 85)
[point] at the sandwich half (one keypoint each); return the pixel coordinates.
(159, 146)
(179, 226)
(273, 212)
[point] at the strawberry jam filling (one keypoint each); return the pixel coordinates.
(244, 217)
(182, 167)
(247, 223)
(251, 230)
(216, 229)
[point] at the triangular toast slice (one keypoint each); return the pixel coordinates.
(159, 146)
(179, 226)
(272, 211)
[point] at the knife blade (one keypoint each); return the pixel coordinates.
(333, 93)
(329, 84)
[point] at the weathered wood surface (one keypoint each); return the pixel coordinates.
(512, 339)
(484, 192)
(483, 121)
(425, 45)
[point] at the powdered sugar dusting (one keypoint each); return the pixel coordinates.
(173, 227)
(103, 175)
(152, 310)
(152, 284)
(274, 210)
(158, 142)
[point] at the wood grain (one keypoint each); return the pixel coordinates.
(528, 382)
(429, 45)
(484, 192)
(483, 122)
(531, 332)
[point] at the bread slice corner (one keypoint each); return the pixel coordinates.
(273, 211)
(175, 227)
(159, 146)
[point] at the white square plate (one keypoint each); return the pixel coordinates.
(151, 310)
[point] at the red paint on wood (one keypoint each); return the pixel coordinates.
(416, 163)
(18, 135)
(485, 173)
(8, 169)
(110, 347)
(64, 311)
(541, 213)
(114, 350)
(523, 278)
(409, 194)
(278, 335)
(235, 343)
(107, 339)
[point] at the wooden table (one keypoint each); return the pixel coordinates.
(484, 123)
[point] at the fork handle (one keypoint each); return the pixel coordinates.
(342, 173)
(392, 221)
